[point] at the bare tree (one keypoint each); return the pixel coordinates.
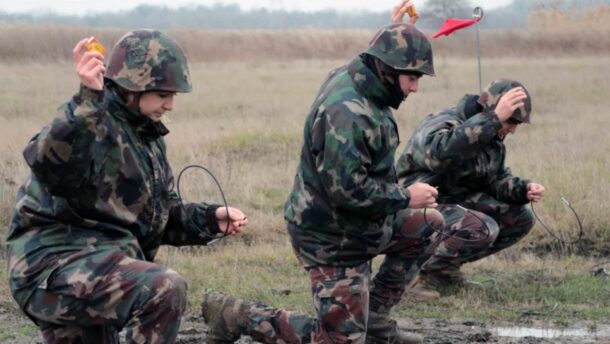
(435, 12)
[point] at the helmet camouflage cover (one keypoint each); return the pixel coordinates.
(404, 48)
(491, 96)
(148, 60)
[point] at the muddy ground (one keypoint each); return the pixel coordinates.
(18, 330)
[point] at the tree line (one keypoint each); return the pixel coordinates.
(232, 17)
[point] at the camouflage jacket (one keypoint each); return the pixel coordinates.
(345, 191)
(458, 151)
(100, 180)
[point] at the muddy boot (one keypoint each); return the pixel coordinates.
(422, 290)
(221, 313)
(431, 285)
(382, 329)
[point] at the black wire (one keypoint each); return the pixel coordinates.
(580, 230)
(442, 231)
(600, 265)
(226, 232)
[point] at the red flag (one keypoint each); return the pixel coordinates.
(453, 24)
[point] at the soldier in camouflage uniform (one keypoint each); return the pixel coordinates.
(99, 202)
(461, 151)
(346, 207)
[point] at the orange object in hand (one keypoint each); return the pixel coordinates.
(412, 12)
(94, 45)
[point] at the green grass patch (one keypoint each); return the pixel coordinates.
(269, 198)
(27, 330)
(6, 336)
(510, 295)
(269, 273)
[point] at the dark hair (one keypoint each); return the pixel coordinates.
(411, 72)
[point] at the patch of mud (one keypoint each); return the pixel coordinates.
(456, 331)
(460, 331)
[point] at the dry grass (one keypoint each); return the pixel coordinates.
(244, 121)
(550, 33)
(584, 20)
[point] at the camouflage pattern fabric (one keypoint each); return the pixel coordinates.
(488, 226)
(100, 181)
(346, 206)
(458, 151)
(492, 94)
(345, 192)
(101, 291)
(412, 244)
(147, 60)
(341, 302)
(404, 48)
(229, 317)
(340, 296)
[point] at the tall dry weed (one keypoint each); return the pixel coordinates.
(550, 33)
(244, 122)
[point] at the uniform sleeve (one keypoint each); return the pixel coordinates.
(508, 188)
(447, 143)
(193, 224)
(345, 147)
(61, 154)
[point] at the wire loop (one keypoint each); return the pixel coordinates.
(226, 232)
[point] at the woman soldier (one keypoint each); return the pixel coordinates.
(99, 202)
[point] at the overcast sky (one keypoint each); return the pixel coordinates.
(91, 6)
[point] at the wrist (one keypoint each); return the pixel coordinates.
(87, 93)
(211, 218)
(495, 119)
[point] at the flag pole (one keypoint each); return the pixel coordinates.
(478, 14)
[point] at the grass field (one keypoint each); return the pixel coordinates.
(244, 122)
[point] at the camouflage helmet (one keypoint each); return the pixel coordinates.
(491, 96)
(404, 48)
(148, 60)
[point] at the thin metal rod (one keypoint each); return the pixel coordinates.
(478, 13)
(479, 59)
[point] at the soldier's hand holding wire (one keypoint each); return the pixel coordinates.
(422, 196)
(398, 12)
(236, 218)
(535, 192)
(510, 101)
(89, 66)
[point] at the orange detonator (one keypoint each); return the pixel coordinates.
(94, 45)
(412, 12)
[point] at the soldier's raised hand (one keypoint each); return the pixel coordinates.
(422, 196)
(89, 66)
(510, 101)
(398, 12)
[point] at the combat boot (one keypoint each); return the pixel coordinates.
(221, 313)
(422, 290)
(382, 329)
(430, 285)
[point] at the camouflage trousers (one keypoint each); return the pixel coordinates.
(485, 227)
(343, 296)
(97, 293)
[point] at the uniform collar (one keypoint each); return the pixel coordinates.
(143, 126)
(368, 84)
(468, 106)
